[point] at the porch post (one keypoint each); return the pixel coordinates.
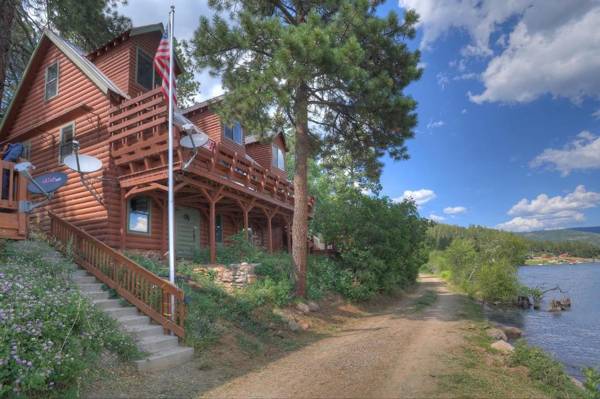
(246, 211)
(289, 237)
(123, 220)
(270, 232)
(212, 236)
(165, 222)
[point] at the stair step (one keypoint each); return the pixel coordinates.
(79, 273)
(141, 331)
(172, 357)
(134, 320)
(94, 295)
(84, 279)
(117, 312)
(90, 287)
(107, 303)
(157, 344)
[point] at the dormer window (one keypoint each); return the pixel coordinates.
(51, 87)
(278, 158)
(235, 133)
(145, 75)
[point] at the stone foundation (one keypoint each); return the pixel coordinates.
(236, 275)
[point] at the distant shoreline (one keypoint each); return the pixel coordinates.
(558, 260)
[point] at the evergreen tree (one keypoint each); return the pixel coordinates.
(331, 72)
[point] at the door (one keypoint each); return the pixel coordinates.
(187, 231)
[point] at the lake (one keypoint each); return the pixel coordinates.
(572, 336)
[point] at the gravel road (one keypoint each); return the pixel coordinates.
(393, 354)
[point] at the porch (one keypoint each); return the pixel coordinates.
(223, 186)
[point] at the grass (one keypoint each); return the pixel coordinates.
(478, 371)
(51, 336)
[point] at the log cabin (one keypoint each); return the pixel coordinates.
(109, 100)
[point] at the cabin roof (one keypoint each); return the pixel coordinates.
(77, 57)
(203, 104)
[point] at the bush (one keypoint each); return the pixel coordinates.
(592, 382)
(49, 333)
(496, 281)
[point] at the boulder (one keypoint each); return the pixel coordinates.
(302, 307)
(503, 346)
(577, 383)
(512, 332)
(304, 325)
(313, 306)
(497, 334)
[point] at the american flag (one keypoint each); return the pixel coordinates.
(161, 64)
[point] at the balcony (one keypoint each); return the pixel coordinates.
(138, 143)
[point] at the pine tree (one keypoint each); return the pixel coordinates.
(332, 72)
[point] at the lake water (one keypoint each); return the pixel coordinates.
(572, 336)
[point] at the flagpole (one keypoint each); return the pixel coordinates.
(171, 194)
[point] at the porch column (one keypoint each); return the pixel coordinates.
(212, 234)
(123, 220)
(164, 244)
(270, 232)
(246, 212)
(289, 237)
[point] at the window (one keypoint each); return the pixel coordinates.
(26, 154)
(51, 81)
(219, 228)
(145, 75)
(138, 218)
(235, 133)
(278, 158)
(67, 134)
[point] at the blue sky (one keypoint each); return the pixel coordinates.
(507, 135)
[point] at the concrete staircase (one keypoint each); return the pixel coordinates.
(163, 350)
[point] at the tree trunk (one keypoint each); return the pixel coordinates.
(300, 220)
(7, 16)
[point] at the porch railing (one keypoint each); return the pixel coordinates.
(9, 189)
(138, 142)
(145, 290)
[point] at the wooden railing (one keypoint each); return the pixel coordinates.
(11, 186)
(138, 142)
(145, 290)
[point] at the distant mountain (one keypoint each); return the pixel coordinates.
(586, 234)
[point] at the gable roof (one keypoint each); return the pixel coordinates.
(252, 139)
(76, 56)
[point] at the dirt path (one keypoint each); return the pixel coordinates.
(397, 353)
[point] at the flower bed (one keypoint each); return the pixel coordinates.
(50, 335)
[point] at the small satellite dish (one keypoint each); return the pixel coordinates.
(23, 166)
(47, 183)
(193, 141)
(83, 163)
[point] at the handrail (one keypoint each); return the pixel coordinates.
(145, 290)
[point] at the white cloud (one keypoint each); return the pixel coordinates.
(435, 124)
(455, 210)
(551, 48)
(596, 114)
(546, 212)
(442, 80)
(582, 153)
(464, 111)
(420, 197)
(436, 218)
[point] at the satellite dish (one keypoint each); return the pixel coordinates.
(47, 183)
(83, 163)
(193, 141)
(23, 166)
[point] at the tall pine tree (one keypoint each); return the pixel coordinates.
(332, 72)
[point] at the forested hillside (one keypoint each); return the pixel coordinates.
(589, 235)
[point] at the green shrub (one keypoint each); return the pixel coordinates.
(496, 281)
(592, 382)
(49, 333)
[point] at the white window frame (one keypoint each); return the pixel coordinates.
(139, 50)
(26, 150)
(60, 141)
(55, 81)
(141, 233)
(275, 152)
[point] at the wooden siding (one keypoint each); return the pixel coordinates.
(263, 154)
(119, 62)
(72, 201)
